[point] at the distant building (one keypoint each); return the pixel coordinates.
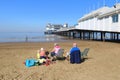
(65, 25)
(51, 28)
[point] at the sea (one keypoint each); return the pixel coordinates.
(29, 37)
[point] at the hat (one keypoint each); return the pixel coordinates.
(42, 49)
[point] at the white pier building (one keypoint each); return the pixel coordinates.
(103, 19)
(96, 25)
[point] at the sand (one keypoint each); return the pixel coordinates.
(103, 62)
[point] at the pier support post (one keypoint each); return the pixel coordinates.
(103, 36)
(80, 34)
(69, 34)
(91, 35)
(117, 36)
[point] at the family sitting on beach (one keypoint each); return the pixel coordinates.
(57, 54)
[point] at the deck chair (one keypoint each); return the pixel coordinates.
(84, 53)
(74, 57)
(59, 55)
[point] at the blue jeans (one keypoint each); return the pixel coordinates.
(52, 54)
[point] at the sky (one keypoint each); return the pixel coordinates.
(33, 15)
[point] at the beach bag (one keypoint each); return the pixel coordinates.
(30, 62)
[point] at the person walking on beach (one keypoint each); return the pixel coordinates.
(75, 54)
(26, 39)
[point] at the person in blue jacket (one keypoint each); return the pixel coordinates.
(75, 54)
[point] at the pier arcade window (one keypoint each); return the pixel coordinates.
(115, 18)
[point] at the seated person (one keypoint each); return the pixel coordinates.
(75, 54)
(47, 53)
(55, 50)
(41, 54)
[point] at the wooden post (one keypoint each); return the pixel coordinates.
(103, 36)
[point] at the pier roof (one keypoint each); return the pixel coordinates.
(113, 10)
(94, 13)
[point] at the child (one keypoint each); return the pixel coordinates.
(41, 54)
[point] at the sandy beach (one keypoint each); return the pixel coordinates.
(102, 63)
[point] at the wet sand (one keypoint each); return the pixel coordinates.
(103, 62)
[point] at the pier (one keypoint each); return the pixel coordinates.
(90, 35)
(102, 24)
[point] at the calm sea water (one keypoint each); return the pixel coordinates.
(28, 36)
